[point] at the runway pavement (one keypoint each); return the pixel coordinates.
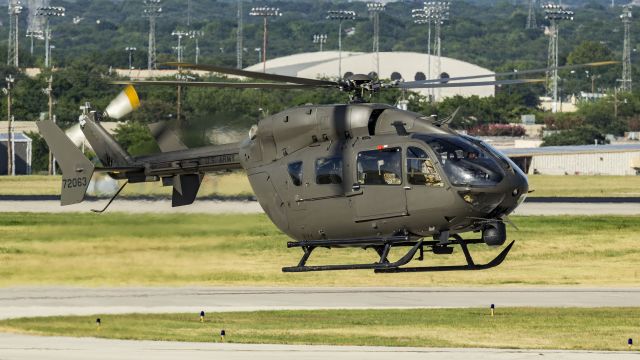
(36, 301)
(252, 207)
(20, 347)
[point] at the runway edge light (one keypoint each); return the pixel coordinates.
(222, 335)
(493, 308)
(630, 342)
(201, 316)
(98, 323)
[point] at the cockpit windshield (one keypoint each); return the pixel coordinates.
(464, 163)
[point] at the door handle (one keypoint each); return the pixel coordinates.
(407, 187)
(355, 187)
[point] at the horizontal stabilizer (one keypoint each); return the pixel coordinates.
(76, 168)
(185, 189)
(166, 138)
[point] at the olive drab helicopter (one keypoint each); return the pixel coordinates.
(353, 175)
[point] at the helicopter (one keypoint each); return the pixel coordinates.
(352, 175)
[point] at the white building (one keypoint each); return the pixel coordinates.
(409, 66)
(579, 160)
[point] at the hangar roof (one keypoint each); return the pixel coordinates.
(565, 150)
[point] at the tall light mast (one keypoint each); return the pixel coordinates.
(15, 8)
(152, 11)
(375, 8)
(239, 35)
(626, 51)
(340, 16)
(265, 13)
(555, 13)
(48, 12)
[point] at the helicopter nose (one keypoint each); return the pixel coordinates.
(518, 192)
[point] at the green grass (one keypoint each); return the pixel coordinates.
(170, 249)
(537, 328)
(236, 184)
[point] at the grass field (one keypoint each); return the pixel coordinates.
(236, 184)
(538, 328)
(123, 249)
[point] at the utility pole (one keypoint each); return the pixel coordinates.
(196, 34)
(48, 12)
(555, 13)
(340, 16)
(239, 31)
(152, 11)
(179, 49)
(374, 9)
(15, 8)
(320, 39)
(10, 157)
(265, 12)
(34, 34)
(531, 18)
(626, 52)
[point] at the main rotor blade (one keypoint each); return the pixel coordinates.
(469, 84)
(519, 72)
(253, 74)
(231, 85)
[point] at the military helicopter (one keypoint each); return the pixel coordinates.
(353, 175)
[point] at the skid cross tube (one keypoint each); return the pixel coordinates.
(383, 263)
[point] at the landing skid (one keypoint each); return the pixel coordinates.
(383, 245)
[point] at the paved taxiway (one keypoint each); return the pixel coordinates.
(36, 301)
(20, 347)
(252, 207)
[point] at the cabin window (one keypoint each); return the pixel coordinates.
(329, 171)
(420, 168)
(295, 172)
(380, 167)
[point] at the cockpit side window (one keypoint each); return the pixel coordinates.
(295, 172)
(380, 167)
(329, 171)
(420, 169)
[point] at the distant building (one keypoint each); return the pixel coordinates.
(408, 66)
(578, 160)
(22, 154)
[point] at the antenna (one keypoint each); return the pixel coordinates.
(626, 52)
(152, 10)
(15, 8)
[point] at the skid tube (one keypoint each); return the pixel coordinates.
(383, 245)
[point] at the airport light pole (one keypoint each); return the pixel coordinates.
(555, 13)
(375, 8)
(152, 11)
(13, 47)
(265, 13)
(48, 12)
(320, 39)
(438, 13)
(130, 50)
(340, 16)
(49, 92)
(10, 157)
(421, 17)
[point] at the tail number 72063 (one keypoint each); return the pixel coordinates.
(74, 182)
